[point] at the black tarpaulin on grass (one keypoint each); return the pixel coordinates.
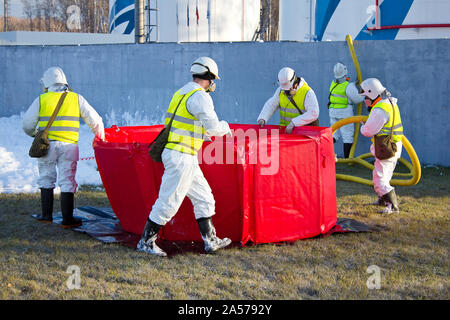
(102, 224)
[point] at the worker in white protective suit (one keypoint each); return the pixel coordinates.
(296, 100)
(382, 121)
(194, 119)
(63, 137)
(343, 95)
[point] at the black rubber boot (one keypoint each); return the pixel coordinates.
(379, 202)
(147, 243)
(67, 211)
(208, 232)
(46, 206)
(390, 199)
(347, 147)
(393, 199)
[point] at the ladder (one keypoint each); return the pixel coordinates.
(264, 21)
(152, 22)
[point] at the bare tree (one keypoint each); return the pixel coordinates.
(49, 9)
(268, 21)
(53, 15)
(5, 15)
(29, 11)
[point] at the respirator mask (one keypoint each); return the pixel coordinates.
(293, 90)
(368, 102)
(211, 87)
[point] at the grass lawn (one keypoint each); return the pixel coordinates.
(411, 252)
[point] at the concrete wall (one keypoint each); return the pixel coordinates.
(130, 82)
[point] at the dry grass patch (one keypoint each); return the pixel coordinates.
(411, 251)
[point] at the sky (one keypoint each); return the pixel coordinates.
(15, 8)
(19, 172)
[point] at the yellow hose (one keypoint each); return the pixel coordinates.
(349, 40)
(414, 167)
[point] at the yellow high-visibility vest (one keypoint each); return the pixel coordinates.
(186, 133)
(398, 127)
(67, 122)
(338, 97)
(287, 110)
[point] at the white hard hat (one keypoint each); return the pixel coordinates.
(205, 66)
(286, 78)
(340, 70)
(372, 88)
(53, 75)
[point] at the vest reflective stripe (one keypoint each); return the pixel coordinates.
(186, 133)
(59, 118)
(292, 113)
(180, 119)
(72, 129)
(285, 120)
(338, 97)
(387, 130)
(66, 125)
(287, 110)
(398, 127)
(184, 145)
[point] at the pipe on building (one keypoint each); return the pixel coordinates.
(139, 35)
(406, 26)
(377, 14)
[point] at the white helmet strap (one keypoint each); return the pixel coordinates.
(201, 65)
(293, 77)
(206, 72)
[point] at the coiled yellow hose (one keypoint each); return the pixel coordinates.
(414, 167)
(349, 40)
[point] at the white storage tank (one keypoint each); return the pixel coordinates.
(191, 20)
(332, 20)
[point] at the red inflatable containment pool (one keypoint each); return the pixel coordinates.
(268, 186)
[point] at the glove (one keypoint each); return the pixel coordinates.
(290, 127)
(228, 130)
(229, 134)
(101, 136)
(261, 123)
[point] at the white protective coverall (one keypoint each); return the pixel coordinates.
(311, 108)
(63, 155)
(346, 132)
(383, 169)
(182, 174)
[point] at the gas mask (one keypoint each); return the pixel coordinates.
(291, 92)
(211, 87)
(370, 103)
(44, 89)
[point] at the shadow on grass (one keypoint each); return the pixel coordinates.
(434, 181)
(103, 225)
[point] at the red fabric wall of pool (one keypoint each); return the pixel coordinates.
(269, 186)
